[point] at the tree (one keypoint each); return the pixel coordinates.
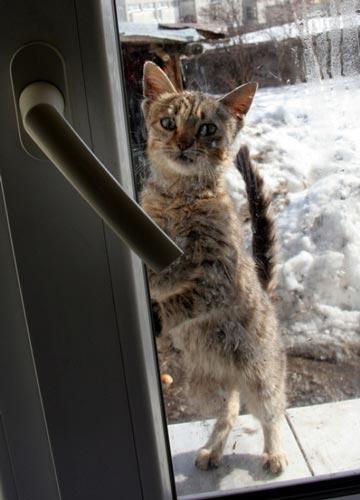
(228, 13)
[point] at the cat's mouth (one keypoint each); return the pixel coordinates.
(184, 158)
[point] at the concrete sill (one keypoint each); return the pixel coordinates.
(318, 439)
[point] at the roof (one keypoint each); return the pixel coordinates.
(151, 32)
(300, 29)
(212, 31)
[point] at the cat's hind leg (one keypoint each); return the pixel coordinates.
(210, 454)
(267, 403)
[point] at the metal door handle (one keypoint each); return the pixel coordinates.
(42, 107)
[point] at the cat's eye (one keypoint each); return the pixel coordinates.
(168, 123)
(207, 129)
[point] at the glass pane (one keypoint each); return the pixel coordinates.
(214, 320)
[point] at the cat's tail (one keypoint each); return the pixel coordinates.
(262, 221)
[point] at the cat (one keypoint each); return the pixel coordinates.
(214, 300)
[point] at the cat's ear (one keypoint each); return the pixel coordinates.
(239, 100)
(155, 81)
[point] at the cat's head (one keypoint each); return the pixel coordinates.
(190, 133)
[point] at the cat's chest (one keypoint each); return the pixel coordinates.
(193, 225)
(181, 218)
(191, 221)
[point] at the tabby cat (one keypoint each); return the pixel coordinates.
(214, 300)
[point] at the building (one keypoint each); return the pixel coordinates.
(275, 12)
(190, 10)
(160, 11)
(248, 14)
(143, 11)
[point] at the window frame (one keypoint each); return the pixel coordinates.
(110, 142)
(337, 485)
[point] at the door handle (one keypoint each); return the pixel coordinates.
(42, 112)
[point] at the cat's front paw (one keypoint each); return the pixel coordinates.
(207, 459)
(275, 463)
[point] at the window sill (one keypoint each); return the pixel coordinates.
(319, 439)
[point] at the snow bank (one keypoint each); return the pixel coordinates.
(305, 140)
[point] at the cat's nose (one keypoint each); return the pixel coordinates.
(185, 142)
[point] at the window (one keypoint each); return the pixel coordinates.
(134, 7)
(79, 379)
(305, 147)
(249, 14)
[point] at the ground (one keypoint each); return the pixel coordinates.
(309, 381)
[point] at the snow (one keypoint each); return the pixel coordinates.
(347, 23)
(301, 28)
(305, 140)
